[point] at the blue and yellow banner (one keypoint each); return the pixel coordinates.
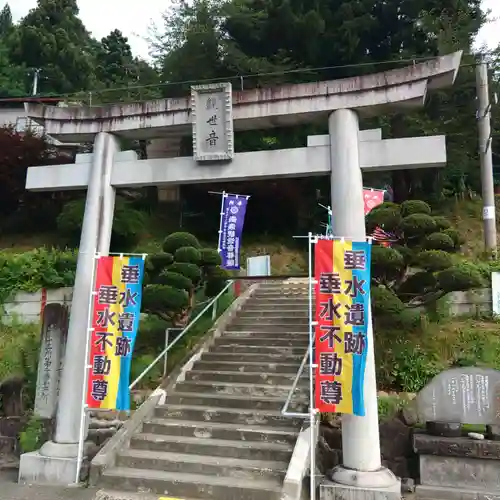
(342, 274)
(115, 321)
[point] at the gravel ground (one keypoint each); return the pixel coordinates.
(10, 490)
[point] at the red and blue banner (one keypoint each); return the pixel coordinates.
(115, 321)
(372, 198)
(342, 294)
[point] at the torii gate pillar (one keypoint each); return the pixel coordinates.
(360, 435)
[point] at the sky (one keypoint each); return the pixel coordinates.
(133, 18)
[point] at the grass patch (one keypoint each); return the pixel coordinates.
(19, 347)
(389, 406)
(408, 362)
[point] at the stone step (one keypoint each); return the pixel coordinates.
(286, 283)
(246, 367)
(191, 485)
(264, 349)
(272, 305)
(299, 340)
(274, 298)
(237, 389)
(281, 285)
(267, 333)
(261, 377)
(280, 319)
(224, 401)
(265, 320)
(273, 312)
(113, 494)
(268, 326)
(283, 294)
(285, 301)
(226, 416)
(279, 296)
(272, 357)
(251, 450)
(215, 430)
(200, 464)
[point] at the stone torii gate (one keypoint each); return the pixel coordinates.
(341, 154)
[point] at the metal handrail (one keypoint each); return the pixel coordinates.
(284, 410)
(167, 348)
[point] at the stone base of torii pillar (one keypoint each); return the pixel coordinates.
(361, 475)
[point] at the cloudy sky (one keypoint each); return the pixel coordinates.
(133, 17)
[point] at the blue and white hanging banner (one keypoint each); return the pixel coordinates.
(232, 218)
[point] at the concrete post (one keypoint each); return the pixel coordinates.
(56, 461)
(360, 435)
(486, 158)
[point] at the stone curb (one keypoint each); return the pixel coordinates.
(293, 485)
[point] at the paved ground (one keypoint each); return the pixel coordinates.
(9, 489)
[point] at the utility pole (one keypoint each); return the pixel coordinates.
(36, 76)
(485, 155)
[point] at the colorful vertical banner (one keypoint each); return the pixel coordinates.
(372, 198)
(232, 218)
(115, 320)
(342, 274)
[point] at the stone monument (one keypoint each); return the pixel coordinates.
(452, 464)
(50, 363)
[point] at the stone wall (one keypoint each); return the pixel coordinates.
(395, 446)
(27, 307)
(471, 302)
(10, 428)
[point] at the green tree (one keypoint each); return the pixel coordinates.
(19, 345)
(190, 45)
(122, 75)
(114, 59)
(420, 268)
(53, 38)
(6, 23)
(12, 77)
(20, 208)
(348, 38)
(495, 113)
(128, 223)
(178, 274)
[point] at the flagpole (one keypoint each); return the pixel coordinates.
(247, 196)
(224, 196)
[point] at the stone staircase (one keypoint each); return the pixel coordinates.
(221, 434)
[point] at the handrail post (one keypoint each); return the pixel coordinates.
(165, 359)
(284, 410)
(214, 310)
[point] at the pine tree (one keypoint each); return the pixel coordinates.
(6, 23)
(52, 37)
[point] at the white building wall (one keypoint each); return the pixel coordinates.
(10, 116)
(28, 307)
